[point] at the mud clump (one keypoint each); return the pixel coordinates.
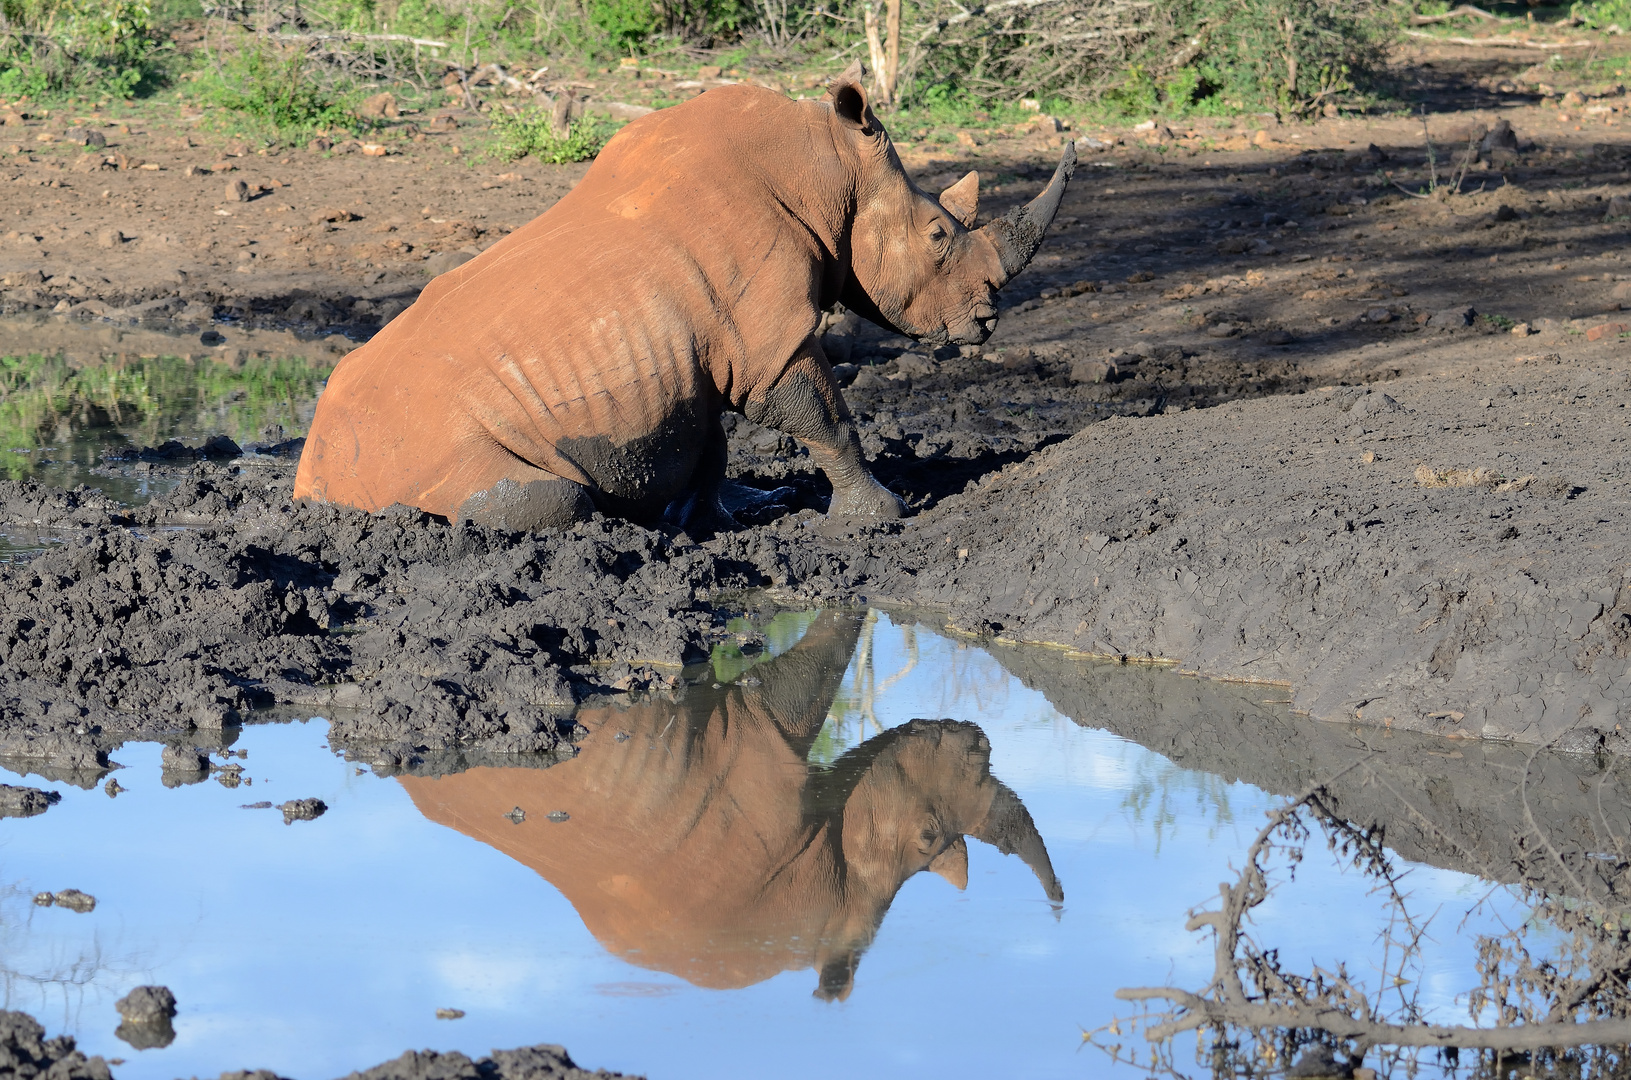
(72, 899)
(302, 810)
(25, 801)
(25, 1051)
(146, 1014)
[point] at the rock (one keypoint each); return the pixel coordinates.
(1378, 315)
(320, 145)
(302, 810)
(1093, 371)
(1505, 212)
(1613, 329)
(1574, 99)
(219, 446)
(1452, 318)
(110, 238)
(374, 150)
(80, 136)
(74, 900)
(1499, 137)
(237, 191)
(558, 816)
(332, 213)
(440, 264)
(869, 379)
(709, 72)
(379, 106)
(1618, 207)
(844, 374)
(184, 759)
(146, 1004)
(449, 1014)
(1222, 330)
(25, 801)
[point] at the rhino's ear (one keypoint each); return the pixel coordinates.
(962, 199)
(952, 864)
(848, 97)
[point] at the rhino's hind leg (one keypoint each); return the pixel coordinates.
(806, 404)
(701, 508)
(536, 500)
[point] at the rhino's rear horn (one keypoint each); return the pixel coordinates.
(1018, 233)
(1009, 828)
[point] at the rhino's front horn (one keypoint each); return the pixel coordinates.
(1018, 233)
(1009, 828)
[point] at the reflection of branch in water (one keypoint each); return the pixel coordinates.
(1156, 785)
(67, 976)
(1563, 1008)
(858, 702)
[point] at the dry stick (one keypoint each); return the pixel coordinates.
(1500, 43)
(339, 35)
(1456, 13)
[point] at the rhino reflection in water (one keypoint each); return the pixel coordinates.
(704, 845)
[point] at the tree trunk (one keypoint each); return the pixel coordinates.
(891, 69)
(874, 46)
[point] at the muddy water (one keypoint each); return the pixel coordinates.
(70, 393)
(728, 885)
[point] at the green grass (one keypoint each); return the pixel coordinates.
(528, 132)
(273, 89)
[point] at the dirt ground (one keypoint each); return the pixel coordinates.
(1286, 536)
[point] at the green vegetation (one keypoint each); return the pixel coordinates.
(529, 131)
(282, 72)
(44, 400)
(57, 47)
(274, 88)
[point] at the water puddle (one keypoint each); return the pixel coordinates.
(855, 846)
(71, 394)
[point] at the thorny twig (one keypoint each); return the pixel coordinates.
(1259, 1013)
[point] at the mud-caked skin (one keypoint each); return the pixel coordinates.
(583, 362)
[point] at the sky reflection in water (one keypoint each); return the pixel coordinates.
(321, 947)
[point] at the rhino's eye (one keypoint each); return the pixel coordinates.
(937, 234)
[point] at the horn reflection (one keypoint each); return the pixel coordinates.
(701, 842)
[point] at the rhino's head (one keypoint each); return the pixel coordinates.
(923, 787)
(917, 265)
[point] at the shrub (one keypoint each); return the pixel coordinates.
(1291, 56)
(51, 47)
(530, 132)
(274, 86)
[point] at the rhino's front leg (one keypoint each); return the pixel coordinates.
(805, 403)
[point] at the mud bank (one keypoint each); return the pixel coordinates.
(25, 1051)
(1448, 556)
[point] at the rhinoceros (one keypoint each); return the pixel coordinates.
(583, 362)
(700, 842)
